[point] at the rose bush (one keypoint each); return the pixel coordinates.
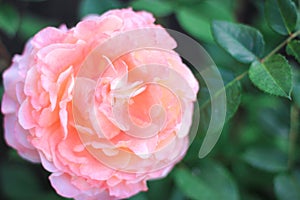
(102, 132)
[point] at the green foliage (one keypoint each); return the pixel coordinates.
(273, 76)
(210, 181)
(287, 187)
(244, 43)
(233, 95)
(97, 7)
(219, 179)
(268, 159)
(140, 196)
(30, 25)
(9, 19)
(281, 15)
(296, 89)
(197, 19)
(21, 179)
(158, 8)
(256, 47)
(160, 185)
(18, 181)
(293, 49)
(192, 186)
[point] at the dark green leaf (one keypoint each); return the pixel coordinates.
(293, 49)
(296, 88)
(273, 76)
(243, 42)
(274, 121)
(281, 15)
(97, 7)
(222, 58)
(177, 195)
(271, 37)
(233, 96)
(219, 179)
(287, 187)
(192, 186)
(196, 20)
(157, 7)
(139, 196)
(9, 19)
(30, 25)
(268, 159)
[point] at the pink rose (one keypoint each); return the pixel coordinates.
(100, 113)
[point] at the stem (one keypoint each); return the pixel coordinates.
(292, 36)
(238, 78)
(294, 129)
(241, 76)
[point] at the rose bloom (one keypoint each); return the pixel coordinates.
(84, 138)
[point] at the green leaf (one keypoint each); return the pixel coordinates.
(233, 96)
(196, 19)
(281, 15)
(287, 187)
(177, 195)
(192, 186)
(268, 159)
(274, 121)
(219, 179)
(208, 181)
(139, 196)
(158, 7)
(242, 42)
(97, 7)
(222, 58)
(9, 19)
(31, 24)
(296, 88)
(273, 76)
(293, 49)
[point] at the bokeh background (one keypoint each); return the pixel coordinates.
(256, 157)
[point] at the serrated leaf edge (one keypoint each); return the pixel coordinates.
(215, 22)
(288, 95)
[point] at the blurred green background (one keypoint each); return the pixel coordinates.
(257, 156)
